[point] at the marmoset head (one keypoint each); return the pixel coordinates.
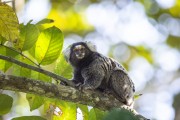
(78, 51)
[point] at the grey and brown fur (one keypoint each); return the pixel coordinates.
(93, 70)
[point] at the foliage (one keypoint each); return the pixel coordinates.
(37, 46)
(120, 113)
(5, 103)
(41, 45)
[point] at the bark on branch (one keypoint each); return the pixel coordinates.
(67, 93)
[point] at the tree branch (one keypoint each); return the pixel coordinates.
(10, 59)
(67, 93)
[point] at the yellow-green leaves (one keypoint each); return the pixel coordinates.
(63, 68)
(35, 101)
(9, 27)
(28, 36)
(49, 45)
(5, 103)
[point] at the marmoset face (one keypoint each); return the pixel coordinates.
(79, 51)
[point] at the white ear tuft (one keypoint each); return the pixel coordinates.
(91, 46)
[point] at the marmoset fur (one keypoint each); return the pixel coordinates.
(93, 70)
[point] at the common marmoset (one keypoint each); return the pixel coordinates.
(93, 70)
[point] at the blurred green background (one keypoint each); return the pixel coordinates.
(143, 35)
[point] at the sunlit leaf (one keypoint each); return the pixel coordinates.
(5, 103)
(49, 45)
(63, 68)
(69, 110)
(29, 118)
(136, 96)
(60, 110)
(21, 71)
(40, 76)
(45, 21)
(35, 101)
(28, 36)
(9, 26)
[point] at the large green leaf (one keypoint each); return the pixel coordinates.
(35, 101)
(28, 36)
(9, 26)
(5, 103)
(29, 118)
(49, 45)
(63, 68)
(120, 114)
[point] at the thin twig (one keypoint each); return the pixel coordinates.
(10, 59)
(14, 5)
(19, 52)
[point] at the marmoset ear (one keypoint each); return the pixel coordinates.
(67, 52)
(91, 46)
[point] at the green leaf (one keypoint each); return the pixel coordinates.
(137, 96)
(28, 36)
(35, 101)
(40, 76)
(2, 62)
(96, 114)
(92, 115)
(68, 110)
(174, 41)
(29, 118)
(120, 114)
(2, 40)
(63, 68)
(8, 23)
(21, 71)
(49, 45)
(5, 65)
(85, 111)
(5, 103)
(45, 21)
